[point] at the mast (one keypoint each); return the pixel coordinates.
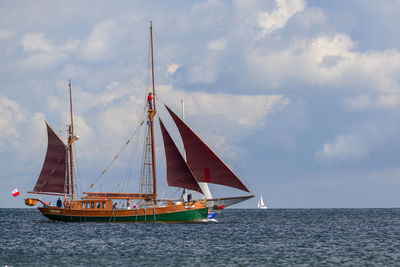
(71, 139)
(183, 109)
(152, 113)
(183, 118)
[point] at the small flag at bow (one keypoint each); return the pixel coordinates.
(15, 192)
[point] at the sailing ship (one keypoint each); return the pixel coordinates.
(202, 165)
(261, 204)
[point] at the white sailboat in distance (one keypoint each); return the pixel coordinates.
(261, 204)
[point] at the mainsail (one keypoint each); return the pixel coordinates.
(52, 178)
(203, 162)
(178, 172)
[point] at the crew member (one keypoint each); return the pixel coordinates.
(59, 203)
(150, 100)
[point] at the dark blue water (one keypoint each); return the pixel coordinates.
(241, 237)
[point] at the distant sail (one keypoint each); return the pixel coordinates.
(261, 204)
(205, 164)
(178, 172)
(52, 178)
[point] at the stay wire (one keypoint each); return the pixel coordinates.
(116, 156)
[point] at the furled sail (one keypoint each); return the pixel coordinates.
(52, 178)
(203, 162)
(178, 172)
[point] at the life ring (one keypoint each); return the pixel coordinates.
(67, 204)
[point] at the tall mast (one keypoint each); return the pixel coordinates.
(71, 139)
(183, 109)
(152, 113)
(183, 118)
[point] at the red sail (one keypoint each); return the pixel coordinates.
(178, 172)
(53, 175)
(204, 163)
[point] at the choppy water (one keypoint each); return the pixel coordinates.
(241, 237)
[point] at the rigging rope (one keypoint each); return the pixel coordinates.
(78, 176)
(116, 156)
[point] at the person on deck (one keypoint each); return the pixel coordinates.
(189, 198)
(184, 196)
(150, 100)
(59, 203)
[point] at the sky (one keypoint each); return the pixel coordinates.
(300, 98)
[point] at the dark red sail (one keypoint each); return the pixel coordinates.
(178, 172)
(203, 162)
(52, 178)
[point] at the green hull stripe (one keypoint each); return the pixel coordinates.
(182, 216)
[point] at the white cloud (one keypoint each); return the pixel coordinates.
(85, 132)
(172, 68)
(205, 71)
(100, 45)
(327, 61)
(20, 129)
(277, 19)
(70, 45)
(243, 110)
(11, 116)
(103, 119)
(360, 141)
(310, 17)
(36, 42)
(217, 45)
(343, 148)
(388, 101)
(41, 53)
(375, 101)
(357, 103)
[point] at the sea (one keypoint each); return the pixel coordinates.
(241, 237)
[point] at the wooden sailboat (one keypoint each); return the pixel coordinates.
(202, 164)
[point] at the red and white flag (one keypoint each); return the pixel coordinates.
(15, 192)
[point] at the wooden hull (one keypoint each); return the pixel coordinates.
(170, 214)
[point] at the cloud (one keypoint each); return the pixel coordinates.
(108, 115)
(36, 42)
(328, 61)
(217, 45)
(172, 68)
(388, 101)
(277, 19)
(19, 129)
(100, 44)
(266, 75)
(243, 110)
(205, 71)
(11, 116)
(343, 148)
(360, 142)
(372, 101)
(41, 53)
(311, 17)
(357, 103)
